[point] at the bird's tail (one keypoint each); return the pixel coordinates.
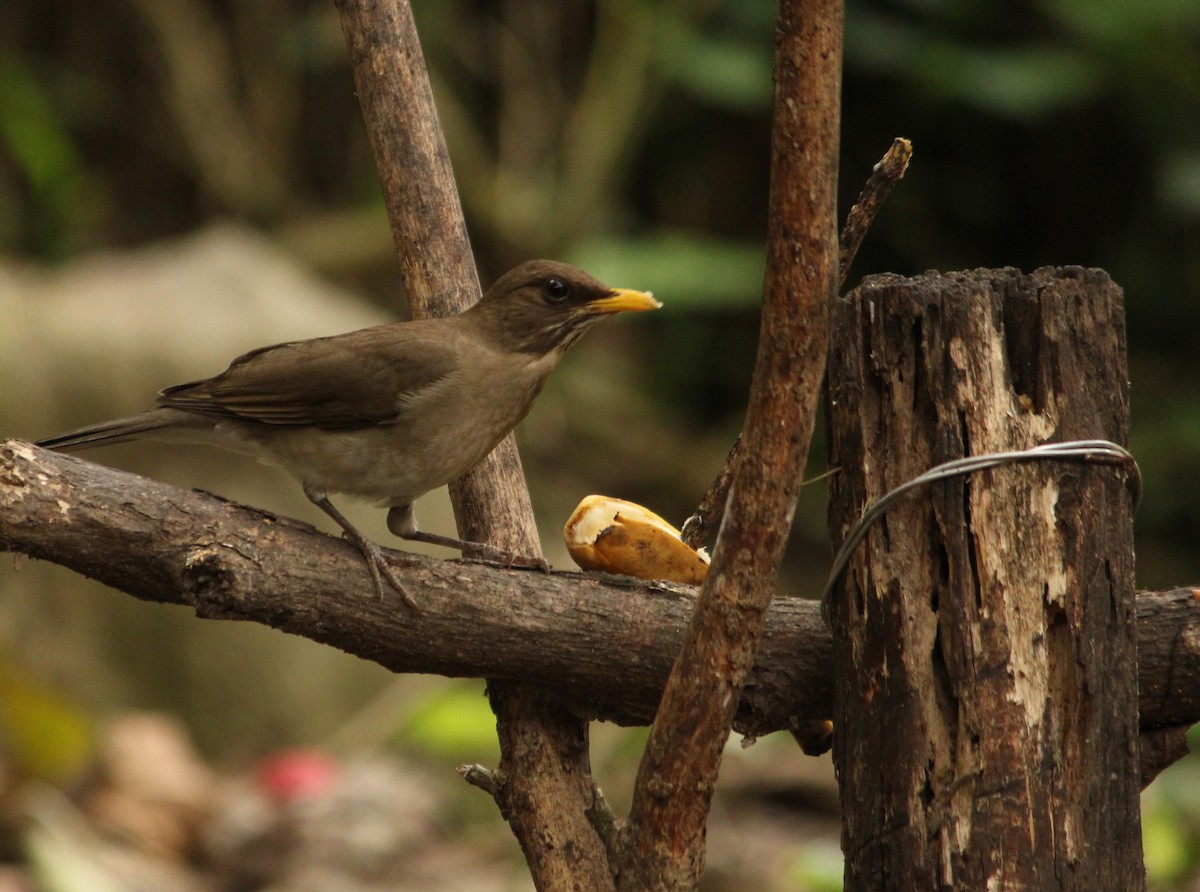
(119, 430)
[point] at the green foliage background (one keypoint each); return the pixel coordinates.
(631, 136)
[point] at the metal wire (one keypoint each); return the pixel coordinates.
(1090, 451)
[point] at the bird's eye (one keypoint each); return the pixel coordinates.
(556, 289)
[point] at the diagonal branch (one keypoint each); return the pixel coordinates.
(664, 845)
(393, 88)
(544, 755)
(889, 171)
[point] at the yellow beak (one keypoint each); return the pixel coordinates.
(622, 300)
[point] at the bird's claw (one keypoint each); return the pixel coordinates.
(529, 563)
(381, 570)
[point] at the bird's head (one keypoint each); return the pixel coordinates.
(542, 306)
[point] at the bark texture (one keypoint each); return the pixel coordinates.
(603, 644)
(985, 661)
(663, 847)
(547, 787)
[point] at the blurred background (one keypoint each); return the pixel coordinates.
(182, 180)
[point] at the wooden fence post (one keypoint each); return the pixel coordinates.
(986, 714)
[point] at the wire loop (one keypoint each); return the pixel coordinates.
(1088, 451)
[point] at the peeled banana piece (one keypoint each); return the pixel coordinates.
(622, 537)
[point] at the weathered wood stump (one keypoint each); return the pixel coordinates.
(986, 713)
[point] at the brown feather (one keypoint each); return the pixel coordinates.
(344, 382)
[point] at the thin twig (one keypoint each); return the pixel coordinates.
(605, 820)
(890, 169)
(712, 504)
(478, 776)
(886, 173)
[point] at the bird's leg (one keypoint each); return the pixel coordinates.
(482, 550)
(376, 562)
(400, 520)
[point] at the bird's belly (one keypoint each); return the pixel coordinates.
(389, 465)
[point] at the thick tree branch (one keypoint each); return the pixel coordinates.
(544, 755)
(604, 644)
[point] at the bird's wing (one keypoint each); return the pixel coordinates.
(344, 382)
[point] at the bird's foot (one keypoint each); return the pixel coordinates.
(372, 553)
(508, 559)
(479, 551)
(381, 570)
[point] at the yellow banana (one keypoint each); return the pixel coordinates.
(622, 537)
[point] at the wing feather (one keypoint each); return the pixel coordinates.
(339, 383)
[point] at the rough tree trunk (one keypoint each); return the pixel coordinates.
(986, 707)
